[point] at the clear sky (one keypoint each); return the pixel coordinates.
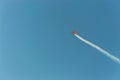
(36, 41)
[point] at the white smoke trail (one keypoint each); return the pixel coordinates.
(99, 49)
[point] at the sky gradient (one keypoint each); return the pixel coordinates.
(36, 41)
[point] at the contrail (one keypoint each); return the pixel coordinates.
(112, 57)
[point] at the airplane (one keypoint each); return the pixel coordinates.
(73, 32)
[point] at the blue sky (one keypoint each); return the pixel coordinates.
(36, 43)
